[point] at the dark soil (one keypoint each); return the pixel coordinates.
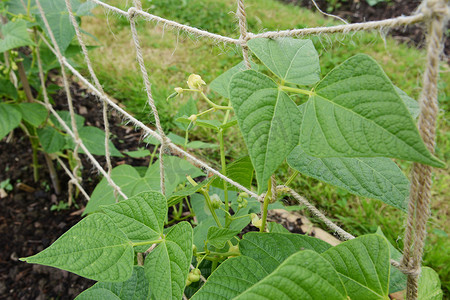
(27, 224)
(355, 11)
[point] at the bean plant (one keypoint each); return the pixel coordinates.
(20, 87)
(343, 129)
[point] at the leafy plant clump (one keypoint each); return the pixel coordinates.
(342, 129)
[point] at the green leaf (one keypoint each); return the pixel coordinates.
(59, 22)
(65, 116)
(94, 140)
(201, 145)
(7, 89)
(377, 178)
(51, 140)
(219, 236)
(188, 109)
(211, 124)
(271, 249)
(276, 228)
(241, 171)
(429, 285)
(397, 280)
(33, 113)
(356, 112)
(269, 121)
(176, 170)
(141, 152)
(15, 35)
(97, 293)
(292, 60)
(140, 217)
(231, 278)
(411, 104)
(221, 84)
(94, 248)
(131, 183)
(9, 119)
(304, 275)
(136, 288)
(363, 265)
(187, 191)
(167, 266)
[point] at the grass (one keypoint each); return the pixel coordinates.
(171, 56)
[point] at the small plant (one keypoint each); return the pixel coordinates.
(20, 87)
(343, 129)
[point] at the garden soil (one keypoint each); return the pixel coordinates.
(27, 222)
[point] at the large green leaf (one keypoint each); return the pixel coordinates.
(59, 22)
(65, 116)
(355, 111)
(292, 60)
(241, 171)
(131, 183)
(271, 249)
(140, 217)
(219, 236)
(128, 179)
(167, 266)
(15, 35)
(363, 265)
(231, 278)
(397, 280)
(94, 248)
(175, 171)
(269, 121)
(222, 82)
(9, 119)
(94, 140)
(429, 285)
(8, 89)
(33, 113)
(51, 139)
(377, 177)
(304, 275)
(135, 288)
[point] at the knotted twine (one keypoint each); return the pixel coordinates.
(436, 13)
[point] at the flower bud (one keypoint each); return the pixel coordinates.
(193, 118)
(178, 90)
(195, 82)
(193, 277)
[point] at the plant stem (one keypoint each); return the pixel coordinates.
(224, 167)
(267, 198)
(53, 175)
(211, 209)
(24, 80)
(289, 181)
(295, 90)
(215, 106)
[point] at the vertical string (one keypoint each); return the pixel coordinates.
(67, 88)
(242, 17)
(99, 87)
(151, 102)
(420, 193)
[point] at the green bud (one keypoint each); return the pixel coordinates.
(193, 277)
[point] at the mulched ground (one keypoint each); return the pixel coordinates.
(27, 225)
